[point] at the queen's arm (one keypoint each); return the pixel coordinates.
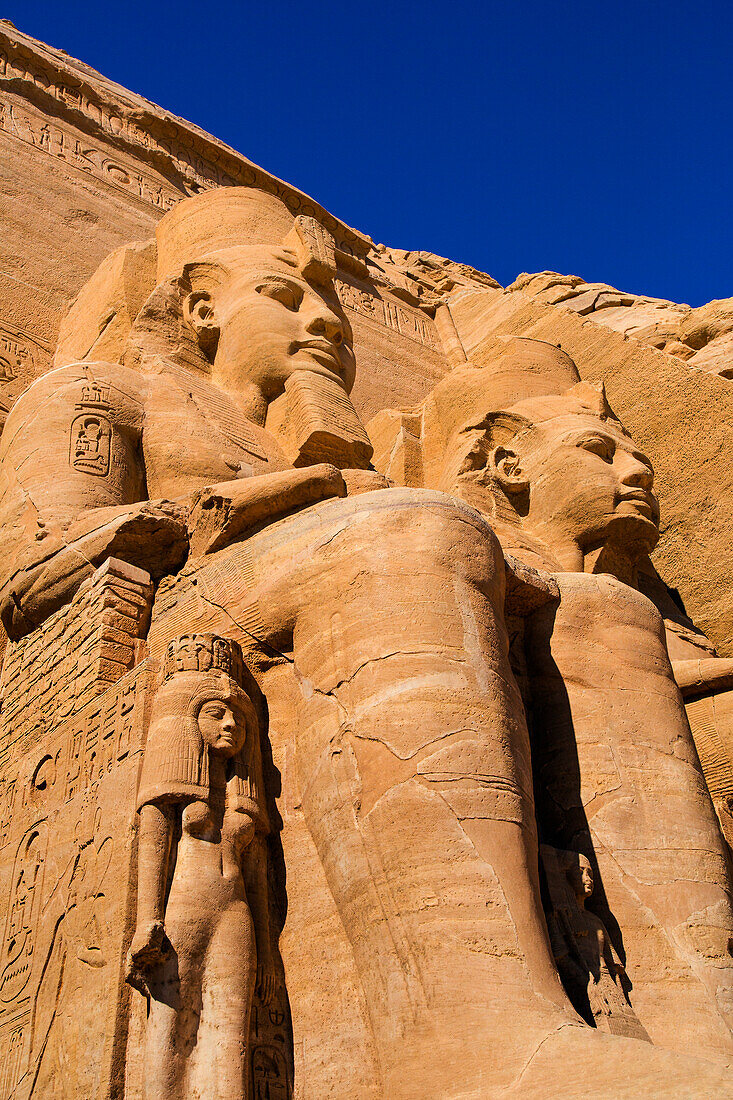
(155, 837)
(609, 954)
(255, 876)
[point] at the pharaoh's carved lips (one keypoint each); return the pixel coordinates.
(641, 502)
(323, 351)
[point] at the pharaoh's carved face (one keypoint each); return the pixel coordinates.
(222, 725)
(588, 483)
(269, 322)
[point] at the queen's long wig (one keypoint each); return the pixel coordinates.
(175, 766)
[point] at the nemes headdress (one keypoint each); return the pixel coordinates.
(535, 380)
(526, 382)
(232, 217)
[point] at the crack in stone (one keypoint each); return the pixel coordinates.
(535, 1052)
(275, 652)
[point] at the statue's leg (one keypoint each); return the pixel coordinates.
(165, 1060)
(414, 778)
(228, 988)
(620, 780)
(413, 757)
(174, 1012)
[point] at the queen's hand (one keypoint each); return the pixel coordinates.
(149, 946)
(265, 983)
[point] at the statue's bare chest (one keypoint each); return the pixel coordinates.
(193, 436)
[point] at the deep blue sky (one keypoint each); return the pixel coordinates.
(514, 135)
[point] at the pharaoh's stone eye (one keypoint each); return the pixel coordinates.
(284, 293)
(601, 447)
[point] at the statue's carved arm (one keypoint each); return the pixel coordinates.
(148, 945)
(255, 877)
(609, 956)
(698, 677)
(224, 512)
(565, 950)
(73, 491)
(149, 534)
(152, 535)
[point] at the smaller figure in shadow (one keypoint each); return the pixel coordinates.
(202, 943)
(589, 966)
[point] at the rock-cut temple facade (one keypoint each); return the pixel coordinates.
(366, 703)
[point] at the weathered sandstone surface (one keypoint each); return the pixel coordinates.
(366, 702)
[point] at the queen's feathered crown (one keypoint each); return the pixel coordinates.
(203, 653)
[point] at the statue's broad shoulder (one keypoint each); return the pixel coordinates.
(72, 442)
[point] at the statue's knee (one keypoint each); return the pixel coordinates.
(427, 530)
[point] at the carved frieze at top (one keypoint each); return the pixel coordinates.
(191, 159)
(62, 92)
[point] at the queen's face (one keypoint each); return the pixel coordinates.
(222, 726)
(272, 323)
(585, 878)
(588, 483)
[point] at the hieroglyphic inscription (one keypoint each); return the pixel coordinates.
(91, 432)
(23, 908)
(190, 155)
(59, 141)
(12, 1042)
(75, 655)
(101, 737)
(76, 941)
(271, 1076)
(106, 116)
(78, 754)
(16, 356)
(22, 358)
(17, 952)
(398, 316)
(58, 925)
(8, 791)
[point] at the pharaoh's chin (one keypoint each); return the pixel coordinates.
(639, 509)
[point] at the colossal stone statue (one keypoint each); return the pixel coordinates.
(123, 440)
(440, 667)
(567, 491)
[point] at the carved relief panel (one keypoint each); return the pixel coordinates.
(62, 1001)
